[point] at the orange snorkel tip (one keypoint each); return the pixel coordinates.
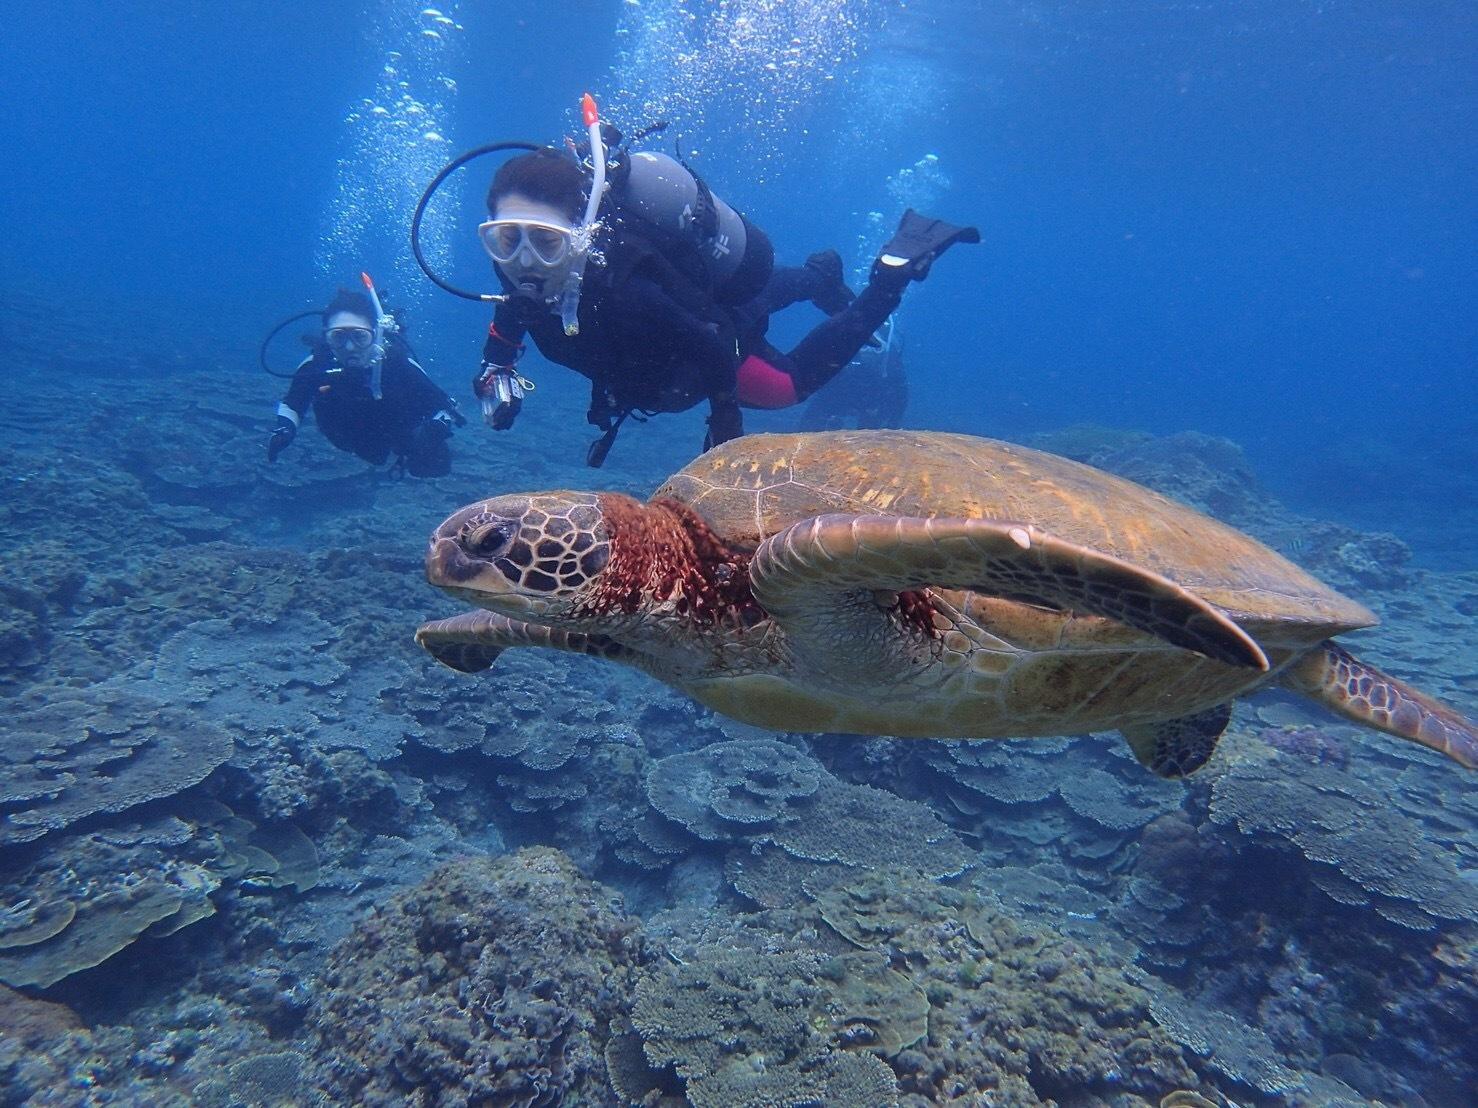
(589, 113)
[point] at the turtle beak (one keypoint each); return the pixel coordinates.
(447, 566)
(452, 566)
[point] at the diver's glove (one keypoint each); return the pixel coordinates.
(282, 436)
(428, 435)
(501, 391)
(831, 293)
(725, 421)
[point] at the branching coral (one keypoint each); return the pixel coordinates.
(752, 1030)
(493, 982)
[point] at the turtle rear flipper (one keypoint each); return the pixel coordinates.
(471, 642)
(1176, 747)
(1349, 687)
(818, 577)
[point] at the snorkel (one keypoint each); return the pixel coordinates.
(384, 324)
(584, 235)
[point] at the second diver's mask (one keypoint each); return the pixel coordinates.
(354, 345)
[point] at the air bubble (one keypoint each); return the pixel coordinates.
(393, 145)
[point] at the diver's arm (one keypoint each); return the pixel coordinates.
(294, 406)
(497, 385)
(429, 398)
(306, 379)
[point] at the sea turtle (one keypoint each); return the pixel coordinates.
(921, 585)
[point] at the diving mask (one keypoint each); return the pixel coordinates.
(526, 241)
(349, 340)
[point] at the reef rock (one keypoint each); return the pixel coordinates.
(491, 983)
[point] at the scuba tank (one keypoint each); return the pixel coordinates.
(735, 256)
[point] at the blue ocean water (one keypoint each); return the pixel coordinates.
(1227, 251)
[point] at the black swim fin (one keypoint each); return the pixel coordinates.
(915, 245)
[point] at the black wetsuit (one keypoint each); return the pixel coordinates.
(770, 379)
(872, 391)
(651, 338)
(399, 421)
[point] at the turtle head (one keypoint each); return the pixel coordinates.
(533, 556)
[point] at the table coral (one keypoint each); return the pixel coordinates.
(1230, 1044)
(765, 791)
(1107, 800)
(77, 753)
(1335, 818)
(725, 789)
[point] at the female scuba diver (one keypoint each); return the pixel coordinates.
(367, 391)
(677, 310)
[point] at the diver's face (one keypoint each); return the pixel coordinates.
(529, 241)
(351, 337)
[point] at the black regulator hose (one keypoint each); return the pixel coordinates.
(450, 168)
(272, 334)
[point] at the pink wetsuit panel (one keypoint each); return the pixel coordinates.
(761, 385)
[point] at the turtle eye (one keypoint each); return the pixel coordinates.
(489, 539)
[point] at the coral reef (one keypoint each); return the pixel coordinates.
(79, 900)
(1015, 1014)
(764, 791)
(1336, 819)
(794, 1014)
(493, 982)
(69, 754)
(225, 758)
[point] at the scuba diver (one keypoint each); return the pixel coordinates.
(677, 310)
(368, 393)
(871, 392)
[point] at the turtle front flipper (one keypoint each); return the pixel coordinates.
(1349, 687)
(819, 576)
(471, 642)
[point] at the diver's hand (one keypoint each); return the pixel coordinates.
(282, 435)
(725, 421)
(501, 393)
